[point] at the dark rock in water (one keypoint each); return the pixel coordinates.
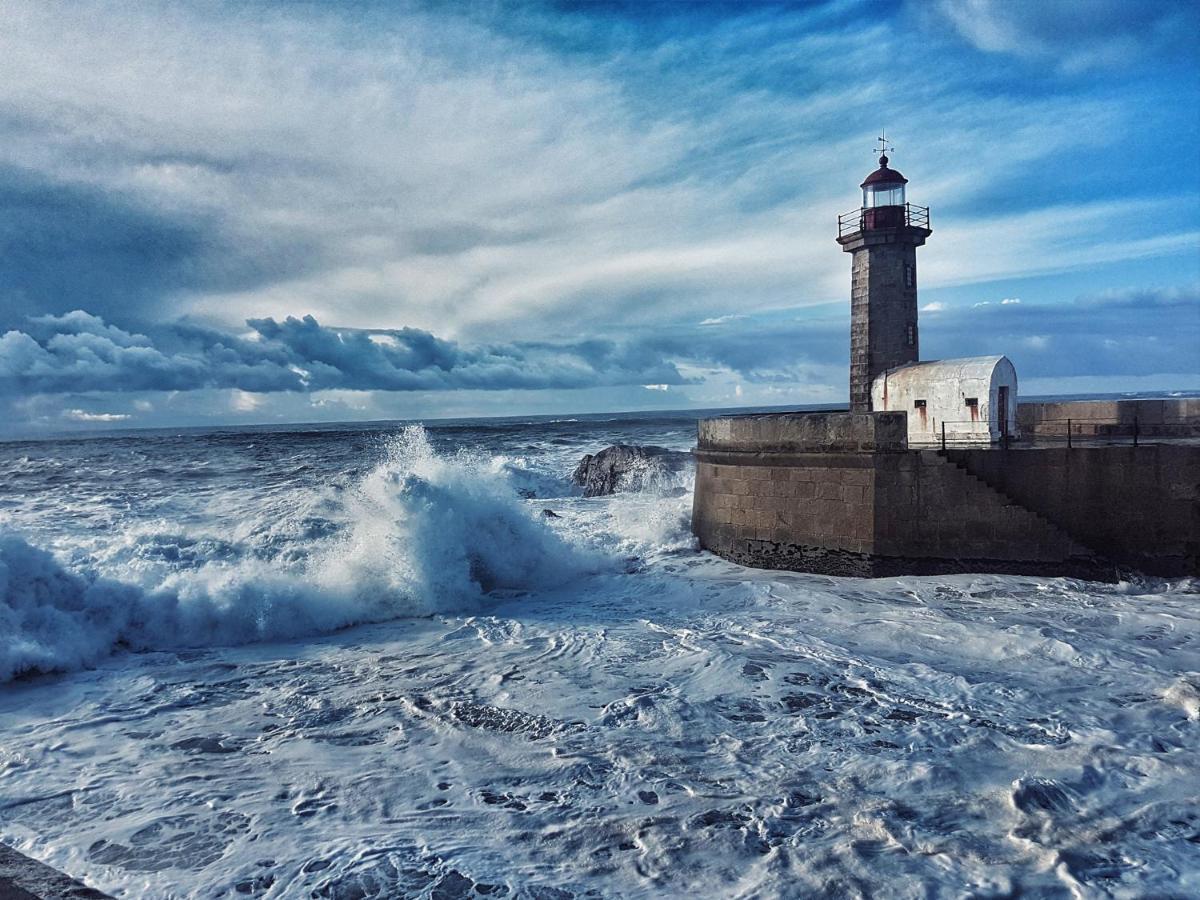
(23, 878)
(513, 721)
(453, 886)
(626, 467)
(550, 514)
(1040, 794)
(213, 744)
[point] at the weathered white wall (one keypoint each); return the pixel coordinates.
(945, 385)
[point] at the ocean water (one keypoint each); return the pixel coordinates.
(363, 662)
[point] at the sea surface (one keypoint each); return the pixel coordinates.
(363, 661)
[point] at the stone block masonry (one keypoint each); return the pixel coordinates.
(842, 494)
(883, 305)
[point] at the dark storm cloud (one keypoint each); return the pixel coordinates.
(59, 241)
(62, 241)
(80, 352)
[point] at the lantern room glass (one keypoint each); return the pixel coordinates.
(883, 194)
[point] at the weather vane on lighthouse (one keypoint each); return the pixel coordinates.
(883, 148)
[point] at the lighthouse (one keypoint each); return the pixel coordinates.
(883, 236)
(928, 473)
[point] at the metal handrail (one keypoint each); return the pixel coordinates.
(1110, 426)
(1115, 429)
(852, 222)
(916, 215)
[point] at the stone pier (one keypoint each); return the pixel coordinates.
(843, 494)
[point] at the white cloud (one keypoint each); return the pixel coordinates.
(351, 401)
(81, 415)
(1100, 34)
(245, 401)
(453, 178)
(935, 306)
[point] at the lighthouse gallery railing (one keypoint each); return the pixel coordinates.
(857, 220)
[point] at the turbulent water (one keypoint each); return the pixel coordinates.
(364, 662)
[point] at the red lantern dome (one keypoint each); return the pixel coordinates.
(884, 174)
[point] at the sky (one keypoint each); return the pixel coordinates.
(223, 213)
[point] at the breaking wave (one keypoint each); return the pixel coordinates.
(423, 533)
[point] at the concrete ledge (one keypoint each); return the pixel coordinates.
(874, 237)
(22, 878)
(785, 460)
(830, 432)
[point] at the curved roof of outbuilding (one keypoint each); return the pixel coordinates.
(968, 368)
(884, 175)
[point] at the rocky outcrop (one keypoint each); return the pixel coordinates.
(626, 467)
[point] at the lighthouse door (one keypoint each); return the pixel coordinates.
(1002, 409)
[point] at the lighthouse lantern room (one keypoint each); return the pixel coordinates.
(883, 197)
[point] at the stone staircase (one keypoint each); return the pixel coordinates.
(1018, 530)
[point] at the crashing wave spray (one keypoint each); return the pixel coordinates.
(427, 533)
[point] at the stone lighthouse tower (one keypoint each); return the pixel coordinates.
(883, 236)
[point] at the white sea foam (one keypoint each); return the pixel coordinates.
(423, 533)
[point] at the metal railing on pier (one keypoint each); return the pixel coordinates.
(1069, 432)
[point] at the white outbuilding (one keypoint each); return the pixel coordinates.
(973, 399)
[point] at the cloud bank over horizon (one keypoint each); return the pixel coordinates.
(516, 198)
(95, 373)
(79, 352)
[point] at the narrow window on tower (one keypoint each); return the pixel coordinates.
(910, 275)
(910, 334)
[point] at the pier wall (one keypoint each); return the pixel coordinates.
(842, 494)
(1171, 417)
(1138, 506)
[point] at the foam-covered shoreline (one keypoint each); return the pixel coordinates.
(685, 727)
